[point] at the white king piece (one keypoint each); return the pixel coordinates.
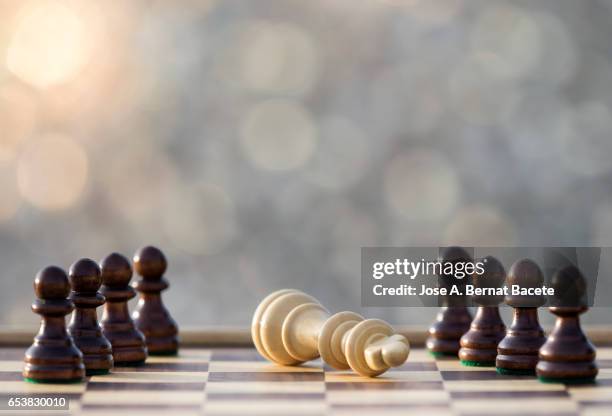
(290, 327)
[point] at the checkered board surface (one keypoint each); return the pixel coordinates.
(239, 382)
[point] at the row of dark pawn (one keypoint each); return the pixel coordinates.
(566, 356)
(89, 347)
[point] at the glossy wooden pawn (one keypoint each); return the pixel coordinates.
(517, 352)
(53, 357)
(128, 343)
(85, 280)
(151, 316)
(568, 356)
(479, 344)
(453, 319)
(446, 332)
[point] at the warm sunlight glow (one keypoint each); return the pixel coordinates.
(49, 46)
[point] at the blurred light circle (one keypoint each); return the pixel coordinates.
(278, 135)
(480, 225)
(52, 172)
(11, 200)
(278, 57)
(587, 146)
(341, 156)
(200, 219)
(421, 185)
(18, 116)
(50, 44)
(510, 37)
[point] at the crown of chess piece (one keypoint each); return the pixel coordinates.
(53, 357)
(151, 316)
(290, 327)
(85, 279)
(567, 356)
(517, 352)
(454, 318)
(479, 344)
(128, 343)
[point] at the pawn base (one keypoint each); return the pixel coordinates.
(579, 380)
(168, 353)
(129, 363)
(515, 372)
(470, 363)
(97, 371)
(161, 345)
(136, 354)
(53, 381)
(443, 347)
(486, 356)
(443, 354)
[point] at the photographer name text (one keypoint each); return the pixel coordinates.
(461, 290)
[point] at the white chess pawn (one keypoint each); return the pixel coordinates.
(290, 327)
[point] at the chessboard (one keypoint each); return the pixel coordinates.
(237, 381)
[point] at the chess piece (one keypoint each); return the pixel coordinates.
(86, 333)
(567, 356)
(290, 327)
(128, 343)
(517, 352)
(446, 332)
(151, 316)
(454, 318)
(479, 344)
(53, 357)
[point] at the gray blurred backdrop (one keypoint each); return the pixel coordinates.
(260, 144)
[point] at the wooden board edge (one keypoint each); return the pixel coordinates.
(241, 336)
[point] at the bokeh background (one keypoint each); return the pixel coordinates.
(260, 144)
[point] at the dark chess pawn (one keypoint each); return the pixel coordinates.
(567, 356)
(479, 344)
(86, 333)
(517, 352)
(128, 343)
(450, 325)
(53, 357)
(151, 316)
(452, 321)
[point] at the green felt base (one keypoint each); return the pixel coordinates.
(442, 354)
(508, 372)
(478, 363)
(50, 381)
(170, 353)
(97, 372)
(129, 363)
(581, 380)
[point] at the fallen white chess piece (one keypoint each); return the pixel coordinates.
(290, 327)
